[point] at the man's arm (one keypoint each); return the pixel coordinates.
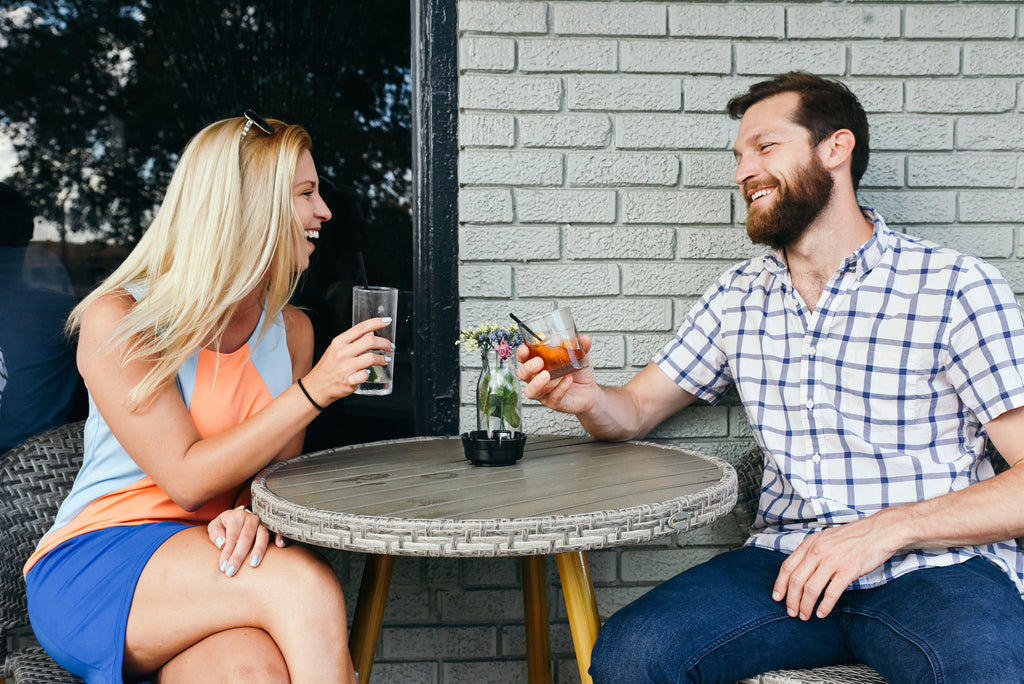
(826, 563)
(612, 413)
(633, 410)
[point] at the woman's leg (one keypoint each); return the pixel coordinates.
(294, 596)
(244, 654)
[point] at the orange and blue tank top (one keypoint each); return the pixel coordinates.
(220, 391)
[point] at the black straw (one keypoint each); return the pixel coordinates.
(523, 326)
(362, 269)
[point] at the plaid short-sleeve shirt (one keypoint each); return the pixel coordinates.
(875, 398)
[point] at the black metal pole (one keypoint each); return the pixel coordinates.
(435, 215)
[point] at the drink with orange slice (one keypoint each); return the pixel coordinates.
(553, 337)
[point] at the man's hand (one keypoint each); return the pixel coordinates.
(826, 563)
(571, 393)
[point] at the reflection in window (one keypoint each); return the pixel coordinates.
(99, 99)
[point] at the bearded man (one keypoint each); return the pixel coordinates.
(872, 367)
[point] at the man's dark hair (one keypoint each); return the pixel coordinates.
(825, 107)
(17, 218)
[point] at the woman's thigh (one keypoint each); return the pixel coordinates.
(182, 597)
(961, 623)
(97, 574)
(715, 622)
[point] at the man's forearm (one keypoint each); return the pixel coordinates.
(614, 417)
(985, 512)
(631, 411)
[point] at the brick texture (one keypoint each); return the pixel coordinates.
(596, 172)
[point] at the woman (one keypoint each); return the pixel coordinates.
(199, 375)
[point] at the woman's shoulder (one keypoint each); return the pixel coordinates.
(297, 324)
(108, 308)
(294, 316)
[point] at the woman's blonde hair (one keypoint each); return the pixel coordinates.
(226, 226)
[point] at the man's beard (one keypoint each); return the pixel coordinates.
(794, 207)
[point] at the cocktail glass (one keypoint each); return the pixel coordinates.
(552, 336)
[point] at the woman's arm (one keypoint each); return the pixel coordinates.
(162, 438)
(300, 347)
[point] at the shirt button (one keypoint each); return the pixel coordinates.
(809, 404)
(810, 352)
(816, 458)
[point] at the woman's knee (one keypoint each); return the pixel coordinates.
(308, 577)
(235, 655)
(257, 668)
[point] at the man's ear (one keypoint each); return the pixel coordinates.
(837, 149)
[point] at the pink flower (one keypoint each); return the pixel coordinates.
(504, 350)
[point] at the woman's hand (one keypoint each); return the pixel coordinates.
(241, 539)
(343, 366)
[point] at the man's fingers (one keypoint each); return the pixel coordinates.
(781, 587)
(831, 596)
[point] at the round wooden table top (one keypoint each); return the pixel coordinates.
(421, 497)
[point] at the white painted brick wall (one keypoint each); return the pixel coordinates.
(596, 172)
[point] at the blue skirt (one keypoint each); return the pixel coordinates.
(80, 594)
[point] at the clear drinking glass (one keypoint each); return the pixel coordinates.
(377, 302)
(552, 336)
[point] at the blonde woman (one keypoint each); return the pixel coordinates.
(199, 375)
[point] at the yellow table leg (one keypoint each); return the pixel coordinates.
(581, 606)
(373, 595)
(535, 602)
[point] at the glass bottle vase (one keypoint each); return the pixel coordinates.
(499, 397)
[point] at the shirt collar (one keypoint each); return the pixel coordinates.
(863, 260)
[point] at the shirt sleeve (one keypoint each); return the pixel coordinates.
(695, 358)
(986, 342)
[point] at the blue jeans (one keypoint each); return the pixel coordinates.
(717, 622)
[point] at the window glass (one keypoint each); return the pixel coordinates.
(99, 99)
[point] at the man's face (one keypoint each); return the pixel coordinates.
(784, 182)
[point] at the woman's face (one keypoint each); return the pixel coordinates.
(309, 205)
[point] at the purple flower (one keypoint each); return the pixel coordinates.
(504, 350)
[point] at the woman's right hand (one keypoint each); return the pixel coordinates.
(343, 366)
(241, 538)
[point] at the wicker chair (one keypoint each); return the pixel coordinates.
(34, 479)
(749, 470)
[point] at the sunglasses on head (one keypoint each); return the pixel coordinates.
(261, 123)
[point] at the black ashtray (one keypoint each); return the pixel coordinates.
(498, 448)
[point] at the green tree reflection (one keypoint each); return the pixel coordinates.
(99, 97)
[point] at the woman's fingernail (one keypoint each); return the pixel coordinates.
(223, 565)
(387, 359)
(386, 319)
(231, 571)
(255, 561)
(219, 542)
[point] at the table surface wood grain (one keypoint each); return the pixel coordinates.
(406, 496)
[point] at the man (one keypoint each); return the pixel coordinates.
(867, 363)
(35, 299)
